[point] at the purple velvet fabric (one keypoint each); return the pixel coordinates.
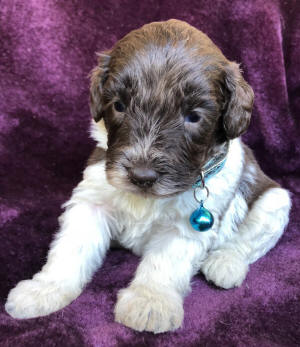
(47, 50)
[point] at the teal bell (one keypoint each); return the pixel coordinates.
(201, 219)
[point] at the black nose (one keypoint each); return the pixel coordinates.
(142, 176)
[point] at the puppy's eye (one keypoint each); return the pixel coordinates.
(119, 107)
(191, 118)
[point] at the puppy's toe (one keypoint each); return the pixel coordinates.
(145, 309)
(33, 298)
(225, 268)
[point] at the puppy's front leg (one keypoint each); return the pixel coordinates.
(75, 254)
(154, 299)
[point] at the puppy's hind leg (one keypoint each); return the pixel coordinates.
(76, 252)
(227, 266)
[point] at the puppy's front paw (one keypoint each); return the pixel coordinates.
(33, 298)
(142, 308)
(225, 268)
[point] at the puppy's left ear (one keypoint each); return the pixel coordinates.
(240, 97)
(98, 77)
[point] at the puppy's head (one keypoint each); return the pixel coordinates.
(169, 100)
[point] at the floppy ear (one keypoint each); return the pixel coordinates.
(98, 77)
(237, 114)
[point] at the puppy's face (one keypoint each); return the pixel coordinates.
(169, 100)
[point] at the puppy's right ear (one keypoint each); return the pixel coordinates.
(98, 77)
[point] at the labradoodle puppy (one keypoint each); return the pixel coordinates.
(168, 109)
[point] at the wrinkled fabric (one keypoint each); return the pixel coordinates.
(47, 49)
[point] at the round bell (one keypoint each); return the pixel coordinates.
(202, 219)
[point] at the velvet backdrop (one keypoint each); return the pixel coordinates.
(47, 49)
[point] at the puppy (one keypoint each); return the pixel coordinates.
(166, 104)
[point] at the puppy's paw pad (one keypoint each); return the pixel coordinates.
(225, 268)
(144, 309)
(33, 298)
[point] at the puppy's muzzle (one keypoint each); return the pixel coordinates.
(142, 177)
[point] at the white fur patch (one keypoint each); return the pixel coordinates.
(99, 133)
(158, 230)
